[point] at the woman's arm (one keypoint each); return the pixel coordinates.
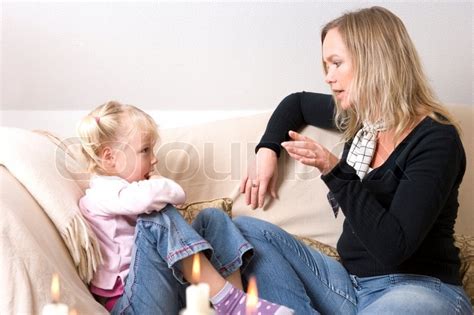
(294, 112)
(423, 182)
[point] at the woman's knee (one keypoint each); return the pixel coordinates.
(251, 226)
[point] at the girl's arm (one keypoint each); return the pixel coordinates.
(117, 196)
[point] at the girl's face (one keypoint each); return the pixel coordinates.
(135, 160)
(338, 65)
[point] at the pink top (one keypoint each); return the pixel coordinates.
(111, 206)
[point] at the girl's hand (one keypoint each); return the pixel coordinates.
(309, 152)
(154, 175)
(261, 178)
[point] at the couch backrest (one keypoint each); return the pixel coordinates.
(465, 220)
(209, 160)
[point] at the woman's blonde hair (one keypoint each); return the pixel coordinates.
(389, 83)
(109, 124)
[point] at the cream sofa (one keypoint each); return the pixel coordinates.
(207, 160)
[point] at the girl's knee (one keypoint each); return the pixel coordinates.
(211, 215)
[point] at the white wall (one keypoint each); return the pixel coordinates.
(180, 56)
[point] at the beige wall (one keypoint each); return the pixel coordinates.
(246, 55)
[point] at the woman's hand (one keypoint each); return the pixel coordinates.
(309, 152)
(260, 178)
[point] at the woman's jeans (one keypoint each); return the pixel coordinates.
(293, 274)
(155, 283)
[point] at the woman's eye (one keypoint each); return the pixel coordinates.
(337, 64)
(145, 150)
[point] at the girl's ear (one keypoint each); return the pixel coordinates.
(108, 157)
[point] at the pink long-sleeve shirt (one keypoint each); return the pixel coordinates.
(111, 206)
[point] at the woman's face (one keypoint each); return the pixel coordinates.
(338, 65)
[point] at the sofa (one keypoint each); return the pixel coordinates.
(208, 160)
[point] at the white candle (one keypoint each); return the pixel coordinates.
(55, 308)
(197, 295)
(197, 300)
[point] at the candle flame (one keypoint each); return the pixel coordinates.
(252, 296)
(196, 268)
(55, 288)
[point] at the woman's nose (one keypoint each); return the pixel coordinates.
(329, 77)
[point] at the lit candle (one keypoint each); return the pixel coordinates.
(55, 308)
(252, 297)
(197, 295)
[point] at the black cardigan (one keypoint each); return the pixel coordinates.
(400, 217)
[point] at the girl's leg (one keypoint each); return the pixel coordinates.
(409, 294)
(155, 283)
(231, 253)
(162, 241)
(290, 273)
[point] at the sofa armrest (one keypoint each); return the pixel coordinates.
(32, 250)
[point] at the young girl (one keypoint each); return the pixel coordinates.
(147, 247)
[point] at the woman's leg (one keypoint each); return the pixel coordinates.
(409, 294)
(290, 273)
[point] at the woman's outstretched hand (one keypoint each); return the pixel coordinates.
(261, 178)
(309, 152)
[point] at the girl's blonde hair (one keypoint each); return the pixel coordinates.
(389, 83)
(109, 125)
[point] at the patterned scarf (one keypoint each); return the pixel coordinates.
(360, 154)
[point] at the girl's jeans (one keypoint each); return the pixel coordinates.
(293, 274)
(155, 283)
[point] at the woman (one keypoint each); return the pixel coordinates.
(396, 182)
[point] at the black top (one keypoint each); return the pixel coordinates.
(400, 217)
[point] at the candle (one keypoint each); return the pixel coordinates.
(197, 295)
(252, 297)
(55, 308)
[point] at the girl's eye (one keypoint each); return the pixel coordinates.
(146, 150)
(337, 64)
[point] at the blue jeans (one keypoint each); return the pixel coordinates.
(290, 273)
(155, 283)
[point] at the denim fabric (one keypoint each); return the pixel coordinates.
(295, 275)
(409, 294)
(155, 284)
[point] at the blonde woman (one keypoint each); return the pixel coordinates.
(396, 182)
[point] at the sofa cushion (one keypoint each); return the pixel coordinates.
(190, 211)
(465, 243)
